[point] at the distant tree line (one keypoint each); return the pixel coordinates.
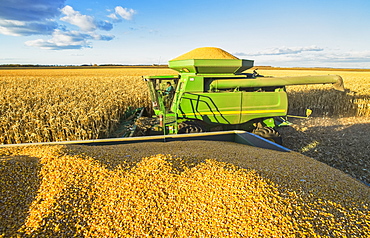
(25, 65)
(83, 65)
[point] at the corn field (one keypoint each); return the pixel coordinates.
(41, 105)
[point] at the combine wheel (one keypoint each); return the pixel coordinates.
(190, 127)
(269, 134)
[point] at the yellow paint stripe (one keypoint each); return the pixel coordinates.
(238, 112)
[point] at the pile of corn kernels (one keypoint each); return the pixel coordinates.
(178, 189)
(206, 53)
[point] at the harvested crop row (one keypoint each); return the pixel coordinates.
(342, 143)
(113, 191)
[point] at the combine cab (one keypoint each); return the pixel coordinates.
(215, 95)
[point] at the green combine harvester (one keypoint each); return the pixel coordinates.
(215, 95)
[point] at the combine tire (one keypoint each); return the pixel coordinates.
(190, 127)
(269, 134)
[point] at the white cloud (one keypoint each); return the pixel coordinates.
(62, 40)
(124, 13)
(84, 22)
(24, 28)
(312, 58)
(113, 16)
(282, 51)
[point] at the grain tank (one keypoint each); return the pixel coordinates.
(212, 93)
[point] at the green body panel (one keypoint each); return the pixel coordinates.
(263, 104)
(222, 108)
(232, 107)
(211, 66)
(191, 83)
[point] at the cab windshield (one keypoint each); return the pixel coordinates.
(162, 89)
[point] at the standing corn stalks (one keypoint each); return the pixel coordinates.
(64, 104)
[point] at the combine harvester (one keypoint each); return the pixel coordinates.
(213, 99)
(211, 93)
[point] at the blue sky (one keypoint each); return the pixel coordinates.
(311, 33)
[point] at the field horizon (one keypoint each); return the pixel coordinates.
(164, 66)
